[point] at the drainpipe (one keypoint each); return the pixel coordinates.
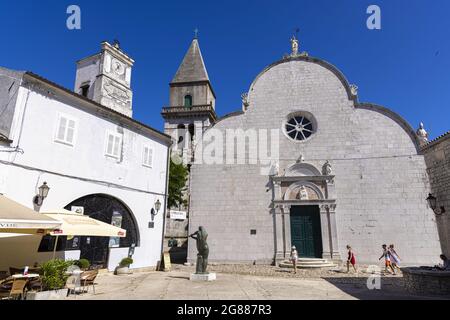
(169, 149)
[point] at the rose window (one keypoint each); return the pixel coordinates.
(299, 128)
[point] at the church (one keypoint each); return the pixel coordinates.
(346, 172)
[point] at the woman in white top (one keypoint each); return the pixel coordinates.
(294, 258)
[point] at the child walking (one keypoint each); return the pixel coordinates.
(351, 259)
(294, 258)
(395, 259)
(387, 259)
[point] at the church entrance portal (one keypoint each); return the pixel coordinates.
(306, 233)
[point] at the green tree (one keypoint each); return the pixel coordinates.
(178, 176)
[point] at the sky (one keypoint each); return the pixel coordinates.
(405, 66)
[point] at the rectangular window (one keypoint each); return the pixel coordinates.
(113, 145)
(147, 157)
(66, 130)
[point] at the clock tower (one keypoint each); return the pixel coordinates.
(106, 78)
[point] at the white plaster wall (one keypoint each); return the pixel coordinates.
(72, 172)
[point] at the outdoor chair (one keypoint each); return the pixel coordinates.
(18, 288)
(13, 271)
(5, 288)
(35, 285)
(72, 284)
(3, 275)
(6, 284)
(87, 279)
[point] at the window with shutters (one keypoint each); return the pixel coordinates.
(113, 146)
(66, 130)
(147, 157)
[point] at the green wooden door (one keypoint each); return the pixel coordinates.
(306, 233)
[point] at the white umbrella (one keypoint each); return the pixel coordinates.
(77, 224)
(16, 218)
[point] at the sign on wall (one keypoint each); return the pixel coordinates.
(178, 215)
(116, 221)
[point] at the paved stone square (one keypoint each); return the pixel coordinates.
(249, 283)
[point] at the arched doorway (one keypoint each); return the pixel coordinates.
(109, 210)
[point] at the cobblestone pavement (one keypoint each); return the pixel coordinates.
(243, 282)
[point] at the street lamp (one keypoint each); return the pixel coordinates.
(157, 205)
(157, 208)
(432, 202)
(43, 193)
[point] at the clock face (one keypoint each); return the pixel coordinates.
(118, 67)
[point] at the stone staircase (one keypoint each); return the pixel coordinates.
(308, 263)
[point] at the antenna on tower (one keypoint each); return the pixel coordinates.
(196, 33)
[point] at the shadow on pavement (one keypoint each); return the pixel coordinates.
(179, 277)
(390, 288)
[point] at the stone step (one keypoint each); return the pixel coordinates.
(309, 266)
(308, 263)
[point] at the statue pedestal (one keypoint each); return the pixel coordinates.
(203, 277)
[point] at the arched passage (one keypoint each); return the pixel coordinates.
(104, 208)
(112, 211)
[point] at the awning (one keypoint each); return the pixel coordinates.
(77, 224)
(16, 218)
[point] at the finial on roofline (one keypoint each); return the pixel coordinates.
(295, 45)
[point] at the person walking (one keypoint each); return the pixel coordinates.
(294, 258)
(387, 259)
(395, 259)
(351, 259)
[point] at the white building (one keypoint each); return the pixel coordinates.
(91, 154)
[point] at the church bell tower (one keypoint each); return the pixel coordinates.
(106, 78)
(192, 103)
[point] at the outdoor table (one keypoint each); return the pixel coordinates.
(75, 272)
(27, 276)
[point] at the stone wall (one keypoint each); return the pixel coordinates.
(423, 282)
(437, 157)
(381, 181)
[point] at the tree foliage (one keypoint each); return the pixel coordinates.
(178, 176)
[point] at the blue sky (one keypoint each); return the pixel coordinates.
(405, 66)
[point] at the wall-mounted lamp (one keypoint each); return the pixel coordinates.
(43, 193)
(156, 208)
(432, 202)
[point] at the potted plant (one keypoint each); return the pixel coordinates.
(83, 264)
(53, 275)
(124, 266)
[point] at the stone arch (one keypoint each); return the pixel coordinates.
(312, 189)
(101, 206)
(302, 170)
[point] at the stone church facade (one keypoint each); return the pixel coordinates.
(346, 173)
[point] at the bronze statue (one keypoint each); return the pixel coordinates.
(203, 250)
